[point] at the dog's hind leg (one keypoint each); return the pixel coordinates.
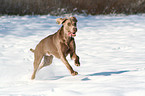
(47, 61)
(37, 60)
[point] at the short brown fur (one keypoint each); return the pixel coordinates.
(59, 44)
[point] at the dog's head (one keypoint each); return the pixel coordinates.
(70, 25)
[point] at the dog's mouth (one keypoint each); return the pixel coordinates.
(71, 34)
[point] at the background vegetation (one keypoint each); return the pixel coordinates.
(59, 7)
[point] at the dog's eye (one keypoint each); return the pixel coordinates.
(68, 24)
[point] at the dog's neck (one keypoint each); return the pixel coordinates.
(64, 37)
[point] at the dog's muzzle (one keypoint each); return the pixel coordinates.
(75, 29)
(70, 34)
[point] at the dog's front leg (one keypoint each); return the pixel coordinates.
(73, 54)
(64, 60)
(76, 58)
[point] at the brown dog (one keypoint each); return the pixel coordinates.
(59, 44)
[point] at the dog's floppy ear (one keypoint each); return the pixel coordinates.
(60, 20)
(74, 19)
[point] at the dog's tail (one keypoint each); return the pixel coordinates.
(32, 50)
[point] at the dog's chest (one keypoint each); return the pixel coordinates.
(66, 46)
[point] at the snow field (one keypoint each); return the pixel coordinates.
(111, 49)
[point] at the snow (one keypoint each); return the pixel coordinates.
(111, 48)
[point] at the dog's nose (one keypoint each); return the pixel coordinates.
(75, 29)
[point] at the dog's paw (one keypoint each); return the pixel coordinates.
(74, 73)
(33, 77)
(77, 64)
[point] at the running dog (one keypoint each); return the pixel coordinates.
(59, 44)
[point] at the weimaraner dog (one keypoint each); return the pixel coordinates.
(59, 44)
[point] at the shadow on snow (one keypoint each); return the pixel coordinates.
(108, 73)
(104, 74)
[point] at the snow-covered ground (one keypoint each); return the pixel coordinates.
(111, 48)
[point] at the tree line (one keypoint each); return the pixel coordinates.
(60, 7)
